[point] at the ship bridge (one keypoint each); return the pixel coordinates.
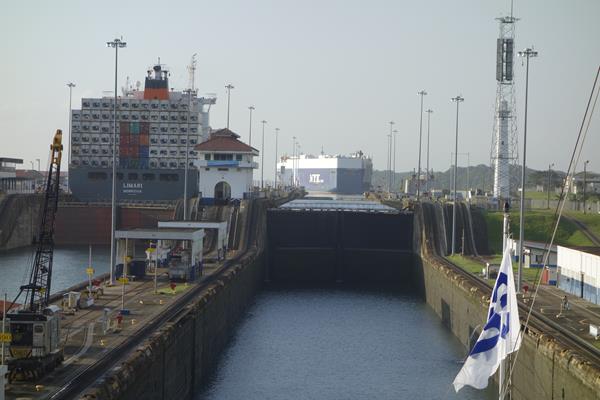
(339, 241)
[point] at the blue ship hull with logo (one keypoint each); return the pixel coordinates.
(133, 185)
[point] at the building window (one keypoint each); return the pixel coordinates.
(148, 177)
(208, 169)
(132, 176)
(223, 169)
(224, 157)
(169, 177)
(238, 157)
(207, 156)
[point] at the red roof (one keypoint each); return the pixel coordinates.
(225, 140)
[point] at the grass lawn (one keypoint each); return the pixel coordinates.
(538, 227)
(475, 267)
(591, 220)
(530, 194)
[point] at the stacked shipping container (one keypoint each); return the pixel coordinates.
(134, 145)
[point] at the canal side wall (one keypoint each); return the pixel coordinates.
(19, 220)
(175, 360)
(545, 369)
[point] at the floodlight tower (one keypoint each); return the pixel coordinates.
(505, 139)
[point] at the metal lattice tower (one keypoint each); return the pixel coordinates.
(504, 149)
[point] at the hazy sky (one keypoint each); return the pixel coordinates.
(332, 73)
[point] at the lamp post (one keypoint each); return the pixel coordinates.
(71, 85)
(229, 86)
(116, 44)
(458, 99)
(390, 157)
(187, 153)
(395, 132)
(527, 53)
(262, 155)
(38, 163)
(276, 145)
(293, 161)
(251, 108)
(429, 111)
(421, 93)
(549, 169)
(584, 183)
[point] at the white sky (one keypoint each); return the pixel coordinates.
(332, 73)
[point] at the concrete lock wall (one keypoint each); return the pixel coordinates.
(175, 360)
(545, 369)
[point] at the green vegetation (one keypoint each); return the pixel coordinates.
(591, 220)
(532, 194)
(475, 267)
(538, 227)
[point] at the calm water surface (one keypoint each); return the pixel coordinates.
(68, 267)
(339, 344)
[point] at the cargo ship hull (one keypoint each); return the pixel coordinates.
(133, 185)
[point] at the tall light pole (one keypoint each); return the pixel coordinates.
(187, 161)
(549, 170)
(390, 176)
(71, 85)
(276, 145)
(39, 166)
(429, 111)
(458, 99)
(262, 155)
(293, 161)
(116, 44)
(421, 93)
(395, 132)
(527, 53)
(229, 86)
(251, 108)
(584, 183)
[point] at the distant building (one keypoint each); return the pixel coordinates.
(8, 173)
(579, 272)
(226, 166)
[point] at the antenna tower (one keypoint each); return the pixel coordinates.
(192, 73)
(504, 149)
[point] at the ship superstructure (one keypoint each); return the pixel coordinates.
(156, 127)
(327, 173)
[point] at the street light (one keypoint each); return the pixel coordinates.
(276, 139)
(421, 93)
(527, 53)
(429, 111)
(262, 155)
(71, 85)
(549, 169)
(38, 162)
(116, 44)
(584, 183)
(458, 99)
(229, 86)
(293, 161)
(390, 157)
(395, 132)
(251, 108)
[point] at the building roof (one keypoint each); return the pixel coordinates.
(11, 160)
(225, 140)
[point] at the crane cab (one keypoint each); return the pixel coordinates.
(34, 348)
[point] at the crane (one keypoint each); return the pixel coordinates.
(35, 330)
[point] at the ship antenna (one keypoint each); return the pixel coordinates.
(192, 71)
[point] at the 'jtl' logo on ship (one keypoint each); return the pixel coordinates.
(315, 178)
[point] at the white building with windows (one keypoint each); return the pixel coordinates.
(226, 166)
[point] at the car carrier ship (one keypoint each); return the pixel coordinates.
(156, 126)
(327, 173)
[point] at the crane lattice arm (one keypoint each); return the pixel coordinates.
(38, 288)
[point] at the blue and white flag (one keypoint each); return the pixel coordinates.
(500, 335)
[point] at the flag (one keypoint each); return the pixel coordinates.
(500, 335)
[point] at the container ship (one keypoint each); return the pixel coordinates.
(155, 127)
(326, 173)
